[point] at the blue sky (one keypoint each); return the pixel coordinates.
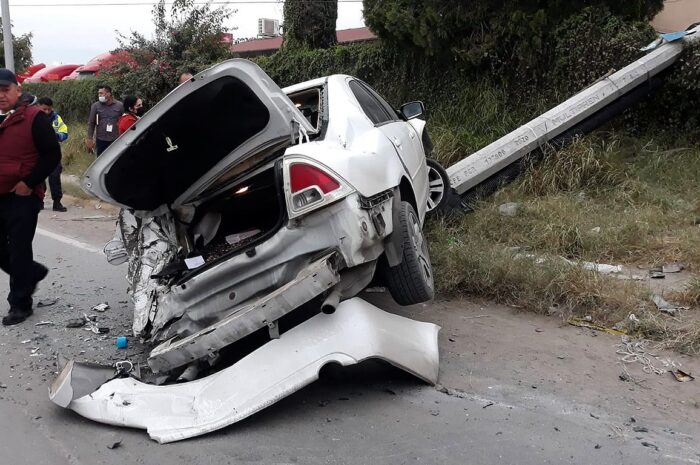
(74, 34)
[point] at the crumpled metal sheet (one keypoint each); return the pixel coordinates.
(356, 331)
(151, 243)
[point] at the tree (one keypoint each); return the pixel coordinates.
(22, 50)
(310, 23)
(188, 35)
(480, 26)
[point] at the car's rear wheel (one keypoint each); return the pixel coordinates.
(411, 281)
(438, 186)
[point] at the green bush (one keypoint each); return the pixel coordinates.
(593, 42)
(72, 99)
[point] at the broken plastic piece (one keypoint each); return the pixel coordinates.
(356, 331)
(682, 376)
(663, 306)
(194, 262)
(672, 268)
(101, 307)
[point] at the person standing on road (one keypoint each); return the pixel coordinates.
(133, 109)
(29, 152)
(61, 130)
(102, 123)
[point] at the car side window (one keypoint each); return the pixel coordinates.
(374, 110)
(384, 103)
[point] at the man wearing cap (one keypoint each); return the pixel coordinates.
(29, 152)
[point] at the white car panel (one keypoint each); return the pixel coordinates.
(356, 331)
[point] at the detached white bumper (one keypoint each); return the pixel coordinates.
(355, 332)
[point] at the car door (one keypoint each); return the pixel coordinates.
(402, 135)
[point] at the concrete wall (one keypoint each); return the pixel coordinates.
(677, 15)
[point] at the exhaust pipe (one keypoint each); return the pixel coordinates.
(331, 302)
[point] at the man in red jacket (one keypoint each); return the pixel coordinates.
(29, 152)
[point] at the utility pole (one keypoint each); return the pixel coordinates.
(7, 36)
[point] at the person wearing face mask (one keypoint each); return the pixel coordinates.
(133, 109)
(102, 123)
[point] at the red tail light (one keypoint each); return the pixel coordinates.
(303, 176)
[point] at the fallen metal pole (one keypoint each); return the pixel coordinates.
(7, 36)
(480, 166)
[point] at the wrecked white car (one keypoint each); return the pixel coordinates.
(243, 202)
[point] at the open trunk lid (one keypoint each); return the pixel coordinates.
(193, 136)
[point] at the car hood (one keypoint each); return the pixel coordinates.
(195, 135)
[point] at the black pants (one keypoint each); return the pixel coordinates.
(101, 146)
(18, 218)
(55, 184)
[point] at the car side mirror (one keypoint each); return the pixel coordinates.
(412, 109)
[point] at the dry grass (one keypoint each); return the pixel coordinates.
(606, 199)
(75, 158)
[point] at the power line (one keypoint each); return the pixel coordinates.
(137, 3)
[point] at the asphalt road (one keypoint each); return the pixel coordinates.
(512, 399)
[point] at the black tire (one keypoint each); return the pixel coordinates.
(439, 189)
(411, 281)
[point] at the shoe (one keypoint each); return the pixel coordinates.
(15, 316)
(58, 207)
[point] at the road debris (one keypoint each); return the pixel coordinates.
(113, 441)
(122, 342)
(664, 306)
(681, 376)
(76, 323)
(46, 303)
(509, 209)
(656, 274)
(583, 323)
(673, 268)
(593, 415)
(91, 325)
(640, 429)
(234, 393)
(101, 307)
(650, 445)
(488, 405)
(601, 267)
(44, 323)
(636, 352)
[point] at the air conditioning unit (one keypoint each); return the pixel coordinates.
(268, 27)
